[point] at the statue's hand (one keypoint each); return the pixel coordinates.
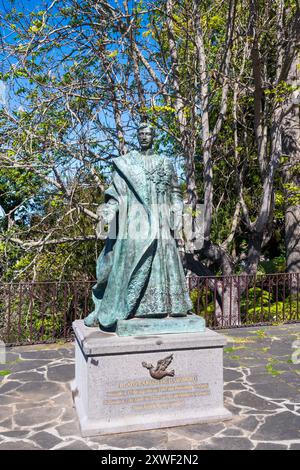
(106, 213)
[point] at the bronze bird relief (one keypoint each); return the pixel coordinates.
(160, 371)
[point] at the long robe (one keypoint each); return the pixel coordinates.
(139, 272)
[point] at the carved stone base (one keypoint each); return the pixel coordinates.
(136, 383)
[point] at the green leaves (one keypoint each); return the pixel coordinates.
(113, 54)
(82, 75)
(292, 194)
(282, 91)
(5, 372)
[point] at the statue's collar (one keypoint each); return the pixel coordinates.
(143, 155)
(147, 153)
(138, 159)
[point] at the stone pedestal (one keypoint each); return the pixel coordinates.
(146, 382)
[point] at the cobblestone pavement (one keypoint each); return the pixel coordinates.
(262, 389)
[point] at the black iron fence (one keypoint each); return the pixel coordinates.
(246, 300)
(34, 312)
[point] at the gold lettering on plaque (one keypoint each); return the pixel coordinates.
(151, 394)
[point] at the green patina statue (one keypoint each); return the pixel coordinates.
(139, 271)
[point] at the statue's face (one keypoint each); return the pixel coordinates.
(145, 138)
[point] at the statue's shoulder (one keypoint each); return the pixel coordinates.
(129, 158)
(127, 164)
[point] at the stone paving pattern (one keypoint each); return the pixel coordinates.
(262, 390)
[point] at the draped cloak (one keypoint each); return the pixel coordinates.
(139, 271)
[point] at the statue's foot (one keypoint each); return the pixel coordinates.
(91, 320)
(108, 329)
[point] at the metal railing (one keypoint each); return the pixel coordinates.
(34, 312)
(246, 300)
(38, 312)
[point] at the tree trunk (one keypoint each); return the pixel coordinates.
(291, 149)
(227, 305)
(254, 252)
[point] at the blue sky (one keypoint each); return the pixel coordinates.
(31, 5)
(37, 5)
(28, 6)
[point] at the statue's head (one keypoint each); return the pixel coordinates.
(145, 135)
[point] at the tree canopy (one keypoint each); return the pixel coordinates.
(219, 80)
